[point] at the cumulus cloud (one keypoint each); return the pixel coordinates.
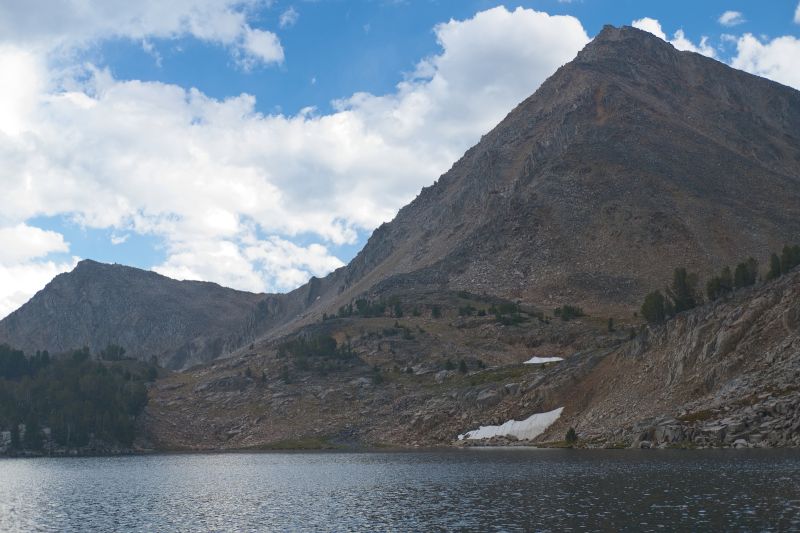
(23, 269)
(258, 46)
(777, 59)
(226, 188)
(679, 39)
(22, 242)
(66, 26)
(731, 18)
(20, 281)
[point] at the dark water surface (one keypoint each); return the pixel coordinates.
(471, 490)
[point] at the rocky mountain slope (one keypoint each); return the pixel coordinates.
(628, 161)
(631, 160)
(724, 373)
(178, 322)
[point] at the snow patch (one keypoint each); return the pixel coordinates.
(530, 428)
(542, 360)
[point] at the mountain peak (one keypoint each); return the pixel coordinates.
(625, 43)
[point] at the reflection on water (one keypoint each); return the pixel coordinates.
(484, 490)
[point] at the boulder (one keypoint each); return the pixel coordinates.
(487, 398)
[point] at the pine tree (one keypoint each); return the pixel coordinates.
(790, 258)
(774, 267)
(746, 274)
(654, 308)
(682, 292)
(571, 437)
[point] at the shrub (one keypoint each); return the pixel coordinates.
(113, 352)
(462, 366)
(790, 258)
(466, 310)
(745, 274)
(720, 285)
(568, 312)
(571, 437)
(774, 271)
(323, 346)
(654, 308)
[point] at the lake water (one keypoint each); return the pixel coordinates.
(473, 490)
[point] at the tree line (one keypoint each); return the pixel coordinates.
(73, 395)
(682, 294)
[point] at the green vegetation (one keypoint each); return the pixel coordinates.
(73, 395)
(302, 443)
(568, 312)
(790, 258)
(318, 346)
(320, 353)
(507, 313)
(683, 291)
(571, 437)
(746, 274)
(719, 286)
(363, 308)
(466, 310)
(654, 308)
(784, 263)
(113, 352)
(774, 271)
(681, 296)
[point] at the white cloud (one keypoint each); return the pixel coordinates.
(227, 188)
(64, 26)
(22, 242)
(679, 40)
(731, 18)
(778, 59)
(20, 98)
(259, 47)
(797, 14)
(119, 239)
(288, 18)
(23, 269)
(20, 281)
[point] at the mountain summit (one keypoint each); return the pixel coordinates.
(632, 159)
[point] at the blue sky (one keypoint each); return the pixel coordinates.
(257, 143)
